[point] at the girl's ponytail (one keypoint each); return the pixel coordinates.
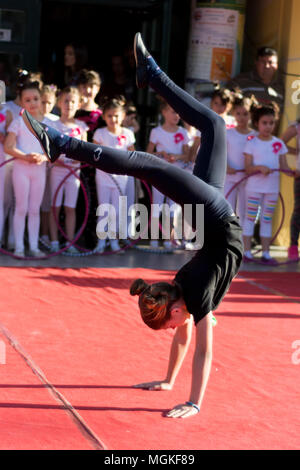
(118, 102)
(138, 286)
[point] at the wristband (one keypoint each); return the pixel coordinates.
(190, 403)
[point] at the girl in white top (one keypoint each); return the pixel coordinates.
(48, 97)
(168, 141)
(184, 242)
(237, 138)
(68, 102)
(14, 106)
(263, 153)
(5, 120)
(29, 171)
(111, 187)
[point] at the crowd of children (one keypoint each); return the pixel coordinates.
(32, 189)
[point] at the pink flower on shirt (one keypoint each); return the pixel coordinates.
(121, 139)
(178, 138)
(250, 137)
(2, 117)
(276, 147)
(75, 132)
(95, 115)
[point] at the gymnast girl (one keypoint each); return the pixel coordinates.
(200, 285)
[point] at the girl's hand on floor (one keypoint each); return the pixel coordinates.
(182, 411)
(155, 385)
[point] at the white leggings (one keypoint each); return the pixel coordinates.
(2, 181)
(9, 201)
(29, 184)
(158, 199)
(110, 196)
(69, 189)
(268, 203)
(237, 198)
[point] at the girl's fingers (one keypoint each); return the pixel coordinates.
(182, 411)
(146, 385)
(153, 386)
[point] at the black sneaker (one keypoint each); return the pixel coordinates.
(39, 130)
(141, 54)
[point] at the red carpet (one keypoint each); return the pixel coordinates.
(85, 346)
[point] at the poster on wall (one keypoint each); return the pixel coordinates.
(215, 43)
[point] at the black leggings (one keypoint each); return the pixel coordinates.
(205, 186)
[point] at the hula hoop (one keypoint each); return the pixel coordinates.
(132, 243)
(150, 250)
(46, 256)
(72, 171)
(72, 242)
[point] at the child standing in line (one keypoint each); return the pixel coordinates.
(130, 119)
(194, 136)
(89, 85)
(133, 187)
(237, 138)
(221, 103)
(14, 106)
(29, 171)
(168, 141)
(110, 187)
(294, 131)
(48, 97)
(264, 153)
(68, 103)
(5, 120)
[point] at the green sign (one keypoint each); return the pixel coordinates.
(239, 5)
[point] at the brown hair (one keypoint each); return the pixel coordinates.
(244, 101)
(68, 89)
(118, 102)
(163, 104)
(30, 85)
(155, 301)
(90, 77)
(225, 95)
(259, 110)
(51, 89)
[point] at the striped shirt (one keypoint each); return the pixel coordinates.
(250, 84)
